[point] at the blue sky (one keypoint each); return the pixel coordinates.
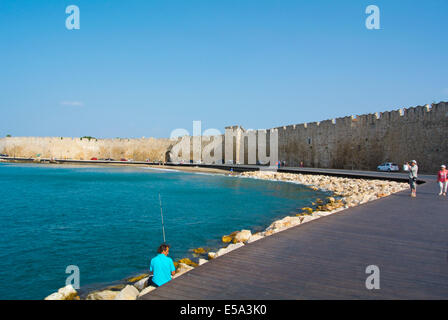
(144, 67)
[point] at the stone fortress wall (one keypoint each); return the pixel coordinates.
(355, 142)
(363, 142)
(85, 149)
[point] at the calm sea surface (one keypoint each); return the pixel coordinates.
(106, 220)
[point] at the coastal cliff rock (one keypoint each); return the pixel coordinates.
(128, 293)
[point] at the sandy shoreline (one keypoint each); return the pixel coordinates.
(196, 169)
(192, 169)
(346, 193)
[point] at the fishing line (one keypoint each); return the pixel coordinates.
(161, 215)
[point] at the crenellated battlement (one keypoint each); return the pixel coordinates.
(419, 113)
(364, 141)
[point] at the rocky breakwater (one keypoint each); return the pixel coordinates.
(352, 192)
(131, 288)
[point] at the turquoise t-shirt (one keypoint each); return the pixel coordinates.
(161, 267)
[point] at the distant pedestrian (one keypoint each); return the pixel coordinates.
(162, 267)
(413, 171)
(442, 178)
(301, 164)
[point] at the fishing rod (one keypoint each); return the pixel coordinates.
(161, 215)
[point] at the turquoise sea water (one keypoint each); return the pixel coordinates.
(106, 220)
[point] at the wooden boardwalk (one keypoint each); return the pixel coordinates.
(326, 258)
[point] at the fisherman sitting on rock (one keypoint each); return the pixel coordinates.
(162, 267)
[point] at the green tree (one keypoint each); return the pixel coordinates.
(88, 137)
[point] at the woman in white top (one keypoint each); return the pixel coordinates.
(413, 170)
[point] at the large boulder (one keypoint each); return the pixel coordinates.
(116, 287)
(146, 291)
(54, 296)
(65, 293)
(309, 218)
(199, 251)
(212, 255)
(137, 278)
(322, 213)
(103, 295)
(229, 238)
(365, 199)
(242, 236)
(141, 284)
(229, 248)
(293, 221)
(308, 210)
(181, 269)
(128, 293)
(275, 226)
(255, 237)
(283, 224)
(188, 262)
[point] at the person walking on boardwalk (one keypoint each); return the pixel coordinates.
(442, 179)
(413, 170)
(162, 267)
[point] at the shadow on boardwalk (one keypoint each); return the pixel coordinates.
(327, 258)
